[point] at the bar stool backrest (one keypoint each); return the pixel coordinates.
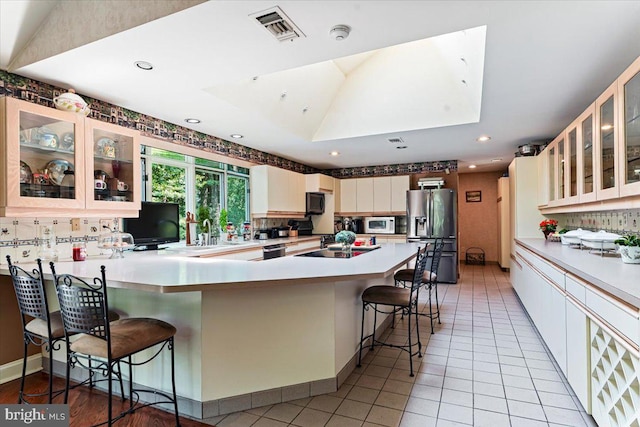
(436, 254)
(30, 293)
(83, 305)
(421, 262)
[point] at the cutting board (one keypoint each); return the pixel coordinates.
(338, 246)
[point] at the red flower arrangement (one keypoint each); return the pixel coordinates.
(548, 225)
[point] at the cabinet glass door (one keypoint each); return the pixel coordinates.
(47, 157)
(572, 139)
(113, 180)
(607, 145)
(561, 166)
(43, 160)
(631, 129)
(552, 174)
(587, 155)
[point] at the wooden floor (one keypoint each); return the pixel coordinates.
(89, 406)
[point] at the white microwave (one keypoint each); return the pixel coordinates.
(380, 225)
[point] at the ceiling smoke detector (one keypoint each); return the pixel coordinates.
(340, 32)
(278, 24)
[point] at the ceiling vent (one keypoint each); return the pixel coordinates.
(395, 140)
(278, 24)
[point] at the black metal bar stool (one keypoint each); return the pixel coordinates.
(46, 329)
(398, 299)
(84, 307)
(429, 279)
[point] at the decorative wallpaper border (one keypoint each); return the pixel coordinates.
(41, 93)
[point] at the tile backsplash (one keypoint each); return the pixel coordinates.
(22, 238)
(620, 221)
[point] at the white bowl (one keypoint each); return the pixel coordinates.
(69, 101)
(601, 240)
(573, 237)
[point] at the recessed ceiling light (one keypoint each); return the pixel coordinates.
(401, 147)
(607, 126)
(144, 65)
(472, 166)
(192, 121)
(496, 160)
(483, 138)
(334, 153)
(236, 135)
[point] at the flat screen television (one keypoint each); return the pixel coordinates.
(157, 223)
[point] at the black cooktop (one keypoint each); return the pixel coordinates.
(329, 253)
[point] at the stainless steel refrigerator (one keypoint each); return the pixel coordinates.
(432, 214)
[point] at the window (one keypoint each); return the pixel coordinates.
(198, 185)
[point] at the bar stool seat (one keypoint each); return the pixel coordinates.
(387, 295)
(128, 336)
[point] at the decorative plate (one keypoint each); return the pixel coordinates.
(56, 169)
(26, 177)
(106, 147)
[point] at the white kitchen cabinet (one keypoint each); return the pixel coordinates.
(381, 194)
(524, 215)
(348, 196)
(578, 346)
(318, 182)
(385, 195)
(542, 291)
(277, 193)
(364, 195)
(399, 187)
(504, 236)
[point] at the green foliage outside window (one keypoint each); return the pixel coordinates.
(168, 186)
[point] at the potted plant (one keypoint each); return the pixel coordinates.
(346, 238)
(548, 226)
(629, 248)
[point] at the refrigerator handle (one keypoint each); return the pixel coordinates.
(430, 213)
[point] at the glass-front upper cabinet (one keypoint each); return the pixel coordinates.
(552, 173)
(571, 164)
(113, 168)
(586, 155)
(561, 170)
(629, 124)
(41, 160)
(606, 143)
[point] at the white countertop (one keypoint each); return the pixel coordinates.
(164, 272)
(608, 273)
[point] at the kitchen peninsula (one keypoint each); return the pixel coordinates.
(249, 333)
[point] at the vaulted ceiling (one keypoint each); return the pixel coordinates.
(437, 74)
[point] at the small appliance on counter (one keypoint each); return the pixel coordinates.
(353, 224)
(380, 224)
(305, 228)
(261, 235)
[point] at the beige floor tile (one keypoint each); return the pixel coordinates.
(369, 381)
(311, 418)
(325, 403)
(391, 400)
(285, 412)
(354, 409)
(340, 421)
(362, 394)
(384, 416)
